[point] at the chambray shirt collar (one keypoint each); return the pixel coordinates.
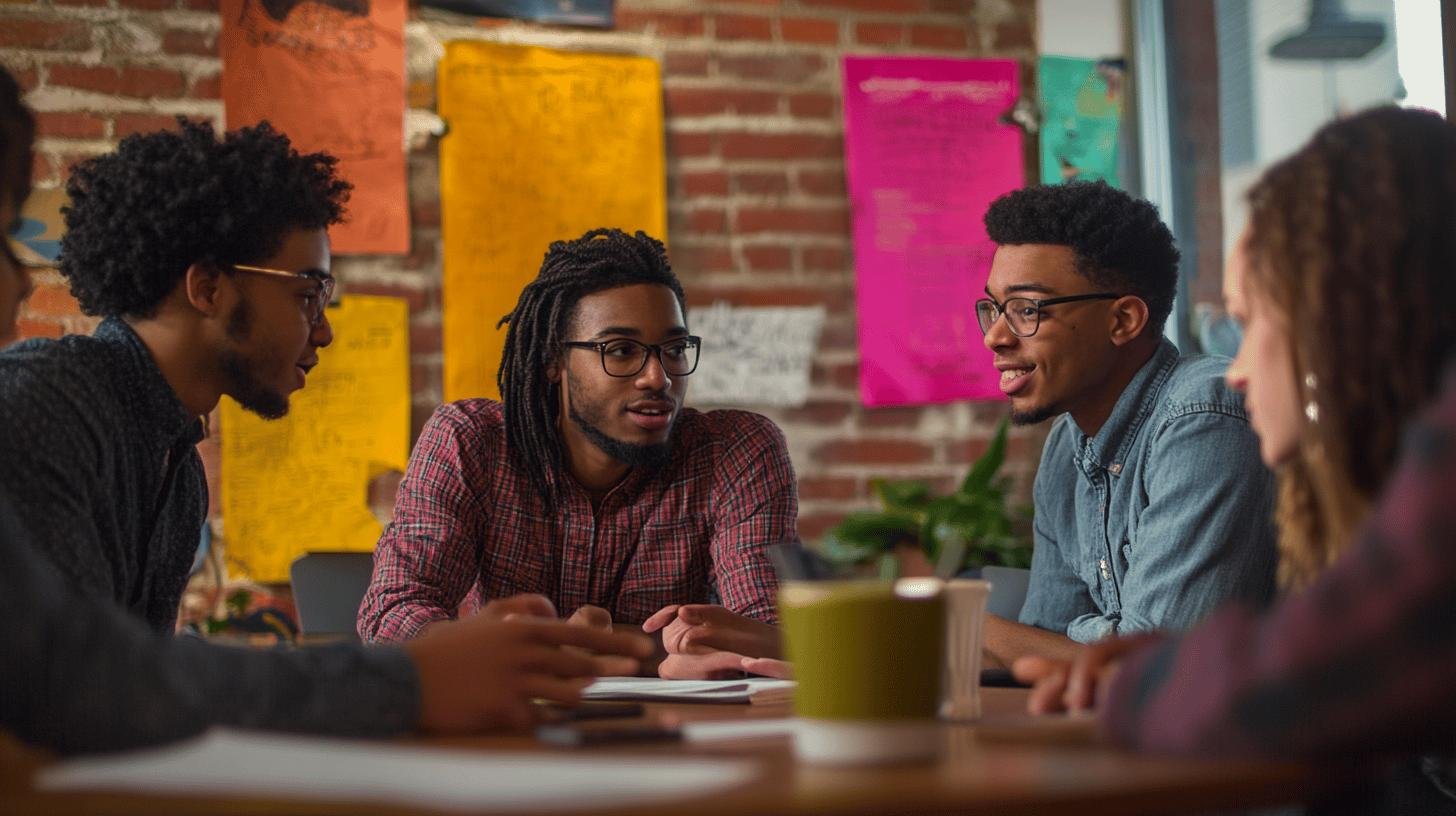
(1109, 448)
(157, 413)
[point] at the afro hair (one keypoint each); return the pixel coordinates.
(140, 216)
(1120, 242)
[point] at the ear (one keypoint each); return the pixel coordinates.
(553, 371)
(200, 285)
(1129, 316)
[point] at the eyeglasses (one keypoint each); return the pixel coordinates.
(1023, 315)
(627, 358)
(322, 297)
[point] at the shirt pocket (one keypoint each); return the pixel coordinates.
(670, 565)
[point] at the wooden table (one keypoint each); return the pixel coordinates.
(1008, 763)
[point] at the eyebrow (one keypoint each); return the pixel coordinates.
(1015, 288)
(628, 331)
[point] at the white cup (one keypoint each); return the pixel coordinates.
(965, 616)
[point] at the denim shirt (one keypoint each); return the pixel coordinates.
(1161, 516)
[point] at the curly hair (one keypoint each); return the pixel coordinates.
(1119, 241)
(599, 260)
(140, 216)
(17, 134)
(1353, 239)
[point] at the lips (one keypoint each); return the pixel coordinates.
(303, 368)
(1014, 377)
(652, 415)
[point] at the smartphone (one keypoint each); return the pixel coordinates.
(575, 736)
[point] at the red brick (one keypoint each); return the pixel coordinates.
(46, 35)
(420, 94)
(825, 259)
(126, 124)
(685, 63)
(761, 183)
(819, 413)
(829, 487)
(26, 328)
(680, 145)
(822, 182)
(821, 220)
(768, 258)
(809, 30)
(180, 41)
(873, 452)
(780, 146)
(41, 169)
(1015, 35)
(707, 183)
(879, 34)
(895, 417)
(812, 526)
(877, 6)
(148, 5)
(709, 101)
(92, 3)
(707, 219)
(201, 5)
(739, 27)
(131, 81)
(812, 105)
(71, 125)
(424, 339)
(50, 300)
(933, 36)
(962, 7)
(702, 259)
(209, 87)
(28, 79)
(842, 337)
(661, 24)
(425, 213)
(776, 68)
(843, 375)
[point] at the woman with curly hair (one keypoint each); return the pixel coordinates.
(1346, 284)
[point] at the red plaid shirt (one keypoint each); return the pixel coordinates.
(468, 522)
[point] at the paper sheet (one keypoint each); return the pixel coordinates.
(235, 763)
(331, 77)
(301, 483)
(650, 689)
(725, 730)
(754, 355)
(543, 145)
(926, 155)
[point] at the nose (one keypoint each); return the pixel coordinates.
(322, 334)
(653, 377)
(999, 335)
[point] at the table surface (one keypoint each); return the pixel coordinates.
(1007, 763)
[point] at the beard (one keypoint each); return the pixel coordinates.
(651, 456)
(240, 380)
(1035, 415)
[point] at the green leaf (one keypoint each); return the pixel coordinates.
(863, 537)
(985, 468)
(906, 495)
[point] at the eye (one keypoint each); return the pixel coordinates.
(676, 351)
(621, 348)
(1028, 311)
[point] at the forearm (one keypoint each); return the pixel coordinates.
(1005, 641)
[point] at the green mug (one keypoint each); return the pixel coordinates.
(867, 656)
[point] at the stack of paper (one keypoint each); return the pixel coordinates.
(232, 763)
(650, 689)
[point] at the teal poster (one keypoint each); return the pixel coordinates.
(1081, 102)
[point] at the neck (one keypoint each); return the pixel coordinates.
(588, 464)
(1093, 412)
(178, 352)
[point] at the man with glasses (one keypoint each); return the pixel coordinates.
(589, 482)
(1152, 505)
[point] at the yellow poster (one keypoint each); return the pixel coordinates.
(301, 483)
(542, 146)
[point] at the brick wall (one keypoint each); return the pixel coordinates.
(757, 205)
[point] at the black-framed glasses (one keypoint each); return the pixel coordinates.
(627, 358)
(1023, 315)
(322, 298)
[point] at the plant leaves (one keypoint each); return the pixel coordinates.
(985, 468)
(901, 495)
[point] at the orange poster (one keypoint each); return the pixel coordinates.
(330, 74)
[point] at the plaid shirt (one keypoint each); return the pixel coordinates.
(468, 521)
(1362, 661)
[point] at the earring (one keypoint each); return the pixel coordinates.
(1311, 407)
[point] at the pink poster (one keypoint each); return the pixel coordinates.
(925, 156)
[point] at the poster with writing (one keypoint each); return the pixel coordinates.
(301, 483)
(925, 154)
(330, 74)
(1081, 102)
(754, 355)
(543, 146)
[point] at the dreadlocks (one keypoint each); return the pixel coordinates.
(599, 260)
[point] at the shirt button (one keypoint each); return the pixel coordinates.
(1115, 468)
(1105, 569)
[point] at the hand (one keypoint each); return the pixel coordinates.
(704, 666)
(592, 617)
(702, 628)
(768, 667)
(1074, 685)
(524, 605)
(483, 672)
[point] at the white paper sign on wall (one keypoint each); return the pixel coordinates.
(754, 355)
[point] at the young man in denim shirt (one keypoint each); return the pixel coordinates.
(1152, 505)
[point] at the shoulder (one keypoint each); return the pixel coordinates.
(478, 424)
(718, 432)
(45, 379)
(1196, 385)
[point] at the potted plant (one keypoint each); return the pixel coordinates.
(969, 529)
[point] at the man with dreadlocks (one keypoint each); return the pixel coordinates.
(589, 483)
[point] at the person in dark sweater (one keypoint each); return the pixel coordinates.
(101, 496)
